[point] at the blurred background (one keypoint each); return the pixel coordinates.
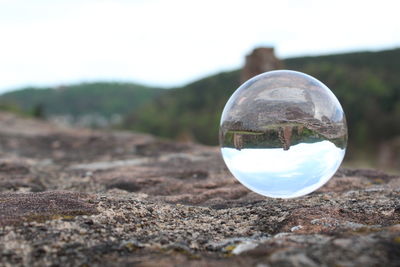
(168, 67)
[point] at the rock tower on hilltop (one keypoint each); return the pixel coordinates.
(260, 60)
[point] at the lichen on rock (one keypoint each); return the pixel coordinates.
(91, 198)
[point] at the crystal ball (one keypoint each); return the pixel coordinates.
(283, 134)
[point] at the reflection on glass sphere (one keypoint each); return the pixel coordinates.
(283, 134)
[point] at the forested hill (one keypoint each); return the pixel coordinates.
(366, 83)
(102, 98)
(192, 111)
(368, 86)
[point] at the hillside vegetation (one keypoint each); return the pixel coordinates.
(366, 83)
(192, 111)
(368, 86)
(105, 99)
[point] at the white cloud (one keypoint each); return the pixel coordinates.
(276, 160)
(173, 42)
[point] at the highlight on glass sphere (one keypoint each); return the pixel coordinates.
(283, 134)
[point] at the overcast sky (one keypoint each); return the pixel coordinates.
(168, 43)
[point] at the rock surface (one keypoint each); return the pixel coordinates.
(85, 198)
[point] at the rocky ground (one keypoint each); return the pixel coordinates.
(89, 198)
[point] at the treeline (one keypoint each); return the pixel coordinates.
(102, 98)
(366, 83)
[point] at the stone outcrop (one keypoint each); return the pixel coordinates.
(260, 60)
(73, 197)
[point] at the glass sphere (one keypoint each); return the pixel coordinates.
(283, 134)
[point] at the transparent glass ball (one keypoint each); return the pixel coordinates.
(283, 134)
